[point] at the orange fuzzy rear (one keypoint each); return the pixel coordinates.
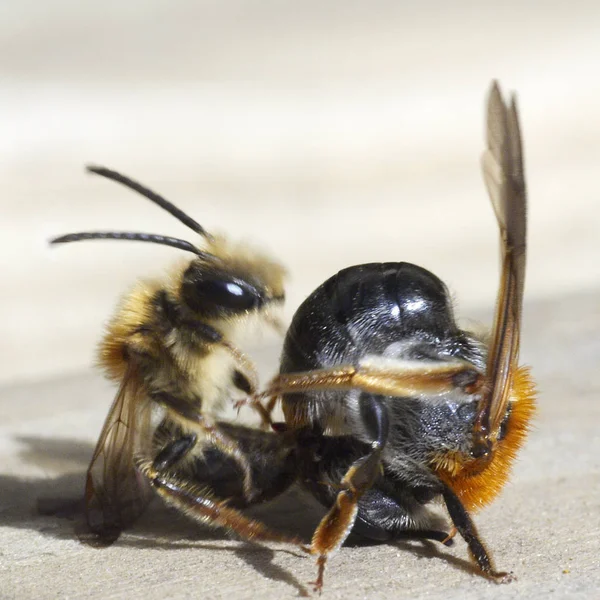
(476, 486)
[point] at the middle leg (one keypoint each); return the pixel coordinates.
(337, 524)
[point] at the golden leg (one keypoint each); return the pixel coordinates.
(383, 376)
(201, 506)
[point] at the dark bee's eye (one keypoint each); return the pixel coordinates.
(214, 292)
(236, 296)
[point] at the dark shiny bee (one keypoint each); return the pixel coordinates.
(394, 404)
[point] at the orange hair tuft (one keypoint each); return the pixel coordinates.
(477, 488)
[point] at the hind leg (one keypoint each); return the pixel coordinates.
(204, 487)
(357, 479)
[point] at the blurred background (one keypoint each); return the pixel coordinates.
(328, 133)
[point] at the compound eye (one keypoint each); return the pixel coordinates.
(232, 295)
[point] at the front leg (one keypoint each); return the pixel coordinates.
(337, 524)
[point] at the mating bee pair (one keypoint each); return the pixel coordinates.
(388, 404)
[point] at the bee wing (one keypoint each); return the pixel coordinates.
(115, 492)
(505, 180)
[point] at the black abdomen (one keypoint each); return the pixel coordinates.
(363, 310)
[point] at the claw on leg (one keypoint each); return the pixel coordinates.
(255, 404)
(448, 540)
(318, 583)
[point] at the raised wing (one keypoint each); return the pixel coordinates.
(115, 492)
(505, 180)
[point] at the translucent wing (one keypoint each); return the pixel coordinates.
(505, 180)
(115, 493)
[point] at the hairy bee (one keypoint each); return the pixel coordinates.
(171, 344)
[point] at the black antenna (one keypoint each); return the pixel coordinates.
(152, 196)
(132, 236)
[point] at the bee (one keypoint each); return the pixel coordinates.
(388, 404)
(171, 345)
(393, 404)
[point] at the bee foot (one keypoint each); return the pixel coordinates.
(317, 587)
(501, 577)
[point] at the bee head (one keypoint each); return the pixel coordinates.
(234, 281)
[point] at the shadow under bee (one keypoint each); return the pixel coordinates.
(52, 506)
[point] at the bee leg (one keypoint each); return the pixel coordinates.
(431, 534)
(377, 376)
(241, 382)
(200, 505)
(248, 370)
(449, 539)
(196, 420)
(465, 526)
(175, 451)
(373, 533)
(427, 534)
(336, 525)
(246, 380)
